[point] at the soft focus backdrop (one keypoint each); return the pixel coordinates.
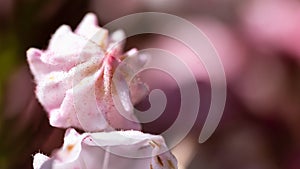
(258, 43)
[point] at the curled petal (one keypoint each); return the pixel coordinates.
(129, 69)
(117, 150)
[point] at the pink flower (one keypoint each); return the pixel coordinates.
(74, 78)
(116, 149)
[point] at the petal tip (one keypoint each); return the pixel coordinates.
(88, 19)
(33, 53)
(38, 160)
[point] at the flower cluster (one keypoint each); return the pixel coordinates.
(78, 85)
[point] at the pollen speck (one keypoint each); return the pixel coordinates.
(51, 78)
(70, 147)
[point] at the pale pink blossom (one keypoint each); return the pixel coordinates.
(74, 78)
(105, 150)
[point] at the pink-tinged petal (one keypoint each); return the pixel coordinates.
(74, 79)
(89, 29)
(68, 49)
(51, 89)
(129, 69)
(80, 107)
(117, 106)
(86, 108)
(121, 113)
(65, 51)
(37, 67)
(117, 150)
(65, 116)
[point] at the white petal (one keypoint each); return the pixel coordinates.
(38, 160)
(116, 42)
(89, 29)
(117, 150)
